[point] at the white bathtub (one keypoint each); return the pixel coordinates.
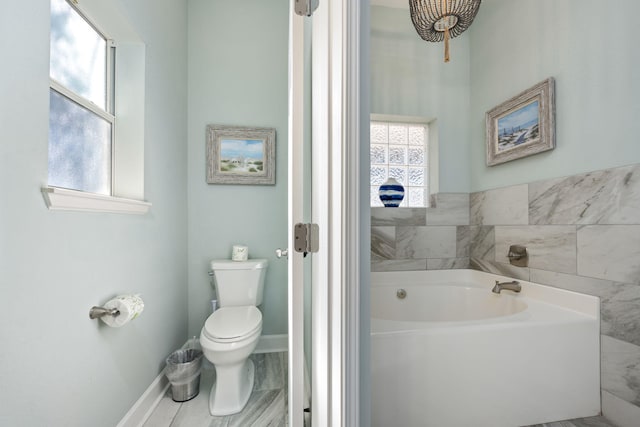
(453, 354)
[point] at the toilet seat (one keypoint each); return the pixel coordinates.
(231, 324)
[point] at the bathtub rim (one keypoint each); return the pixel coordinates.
(588, 305)
(521, 304)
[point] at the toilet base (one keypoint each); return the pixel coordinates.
(232, 389)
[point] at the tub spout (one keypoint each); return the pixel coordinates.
(510, 286)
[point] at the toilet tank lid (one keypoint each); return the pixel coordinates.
(227, 264)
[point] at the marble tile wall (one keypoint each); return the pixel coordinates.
(582, 233)
(432, 238)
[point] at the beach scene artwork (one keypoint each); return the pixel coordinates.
(519, 127)
(242, 156)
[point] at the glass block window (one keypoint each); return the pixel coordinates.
(81, 120)
(400, 151)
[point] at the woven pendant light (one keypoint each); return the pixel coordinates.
(438, 20)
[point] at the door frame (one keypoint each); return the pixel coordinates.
(337, 207)
(295, 214)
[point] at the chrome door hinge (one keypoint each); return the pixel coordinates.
(306, 7)
(306, 238)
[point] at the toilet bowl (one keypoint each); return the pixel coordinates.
(228, 337)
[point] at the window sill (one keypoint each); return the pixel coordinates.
(62, 199)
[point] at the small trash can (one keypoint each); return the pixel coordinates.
(183, 372)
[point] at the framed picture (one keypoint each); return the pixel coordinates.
(241, 155)
(523, 125)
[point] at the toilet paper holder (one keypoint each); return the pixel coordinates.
(97, 312)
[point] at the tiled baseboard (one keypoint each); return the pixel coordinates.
(619, 411)
(272, 344)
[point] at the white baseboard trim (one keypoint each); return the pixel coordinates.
(144, 406)
(272, 344)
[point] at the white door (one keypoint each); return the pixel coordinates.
(324, 181)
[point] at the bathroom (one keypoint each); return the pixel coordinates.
(479, 211)
(55, 265)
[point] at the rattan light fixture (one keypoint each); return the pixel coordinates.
(437, 20)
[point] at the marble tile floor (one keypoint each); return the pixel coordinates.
(582, 422)
(267, 406)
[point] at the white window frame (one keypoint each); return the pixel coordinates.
(431, 147)
(128, 104)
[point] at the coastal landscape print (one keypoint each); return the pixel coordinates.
(242, 156)
(519, 127)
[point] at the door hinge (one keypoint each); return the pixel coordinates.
(306, 238)
(306, 7)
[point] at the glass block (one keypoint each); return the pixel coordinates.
(378, 175)
(416, 197)
(400, 174)
(379, 154)
(78, 54)
(79, 147)
(417, 135)
(375, 199)
(379, 133)
(397, 154)
(416, 176)
(398, 134)
(416, 156)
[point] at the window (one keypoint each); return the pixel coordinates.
(96, 163)
(81, 120)
(399, 150)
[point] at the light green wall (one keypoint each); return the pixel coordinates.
(58, 367)
(237, 76)
(409, 77)
(590, 48)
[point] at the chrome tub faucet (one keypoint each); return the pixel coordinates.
(510, 286)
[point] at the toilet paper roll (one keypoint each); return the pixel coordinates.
(129, 306)
(240, 253)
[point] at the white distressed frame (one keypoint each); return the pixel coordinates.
(217, 133)
(544, 92)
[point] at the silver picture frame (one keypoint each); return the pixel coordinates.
(522, 126)
(241, 155)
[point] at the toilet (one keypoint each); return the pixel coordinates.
(231, 333)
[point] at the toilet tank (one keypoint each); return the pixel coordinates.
(239, 282)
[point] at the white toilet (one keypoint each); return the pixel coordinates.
(231, 333)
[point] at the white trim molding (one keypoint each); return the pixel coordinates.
(62, 199)
(145, 405)
(336, 208)
(295, 214)
(352, 146)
